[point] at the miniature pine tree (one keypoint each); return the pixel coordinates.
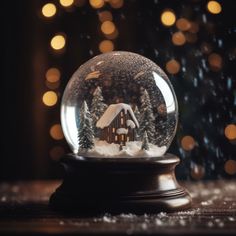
(145, 145)
(97, 107)
(147, 119)
(85, 132)
(137, 131)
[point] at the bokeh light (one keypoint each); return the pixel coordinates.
(173, 66)
(53, 75)
(49, 10)
(108, 27)
(53, 85)
(96, 3)
(105, 16)
(188, 143)
(215, 62)
(230, 131)
(56, 132)
(168, 18)
(66, 3)
(106, 46)
(214, 7)
(178, 39)
(50, 98)
(197, 172)
(56, 153)
(230, 167)
(183, 24)
(58, 42)
(116, 3)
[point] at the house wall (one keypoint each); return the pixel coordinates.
(109, 133)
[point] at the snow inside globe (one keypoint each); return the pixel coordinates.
(119, 105)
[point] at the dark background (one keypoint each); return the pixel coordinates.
(206, 95)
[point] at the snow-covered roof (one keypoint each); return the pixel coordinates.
(112, 111)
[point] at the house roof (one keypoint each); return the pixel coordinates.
(112, 111)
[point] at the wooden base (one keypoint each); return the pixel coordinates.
(115, 185)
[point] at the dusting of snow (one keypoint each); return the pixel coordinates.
(112, 111)
(122, 131)
(131, 149)
(130, 124)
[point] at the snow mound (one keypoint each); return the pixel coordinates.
(132, 149)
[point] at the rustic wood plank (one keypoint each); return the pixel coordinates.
(24, 211)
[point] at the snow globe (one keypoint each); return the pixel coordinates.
(119, 115)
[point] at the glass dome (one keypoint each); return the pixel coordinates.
(119, 104)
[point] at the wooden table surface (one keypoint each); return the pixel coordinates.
(24, 211)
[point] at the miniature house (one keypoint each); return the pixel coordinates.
(118, 123)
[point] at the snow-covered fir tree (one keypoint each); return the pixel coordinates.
(147, 119)
(145, 145)
(97, 107)
(137, 131)
(85, 132)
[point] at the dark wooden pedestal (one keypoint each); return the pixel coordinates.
(137, 185)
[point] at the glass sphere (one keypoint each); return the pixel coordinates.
(119, 104)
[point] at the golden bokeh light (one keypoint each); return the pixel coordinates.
(105, 16)
(106, 46)
(56, 132)
(173, 66)
(215, 62)
(168, 18)
(53, 75)
(178, 39)
(58, 42)
(116, 3)
(49, 10)
(230, 131)
(114, 35)
(96, 3)
(50, 98)
(214, 7)
(197, 172)
(188, 143)
(66, 3)
(108, 27)
(183, 24)
(230, 167)
(56, 153)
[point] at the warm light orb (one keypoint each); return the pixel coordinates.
(106, 46)
(230, 167)
(173, 66)
(56, 153)
(197, 172)
(188, 143)
(66, 3)
(53, 75)
(215, 61)
(96, 3)
(105, 16)
(49, 98)
(116, 3)
(178, 39)
(108, 27)
(183, 24)
(168, 18)
(58, 42)
(49, 10)
(230, 131)
(214, 7)
(56, 132)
